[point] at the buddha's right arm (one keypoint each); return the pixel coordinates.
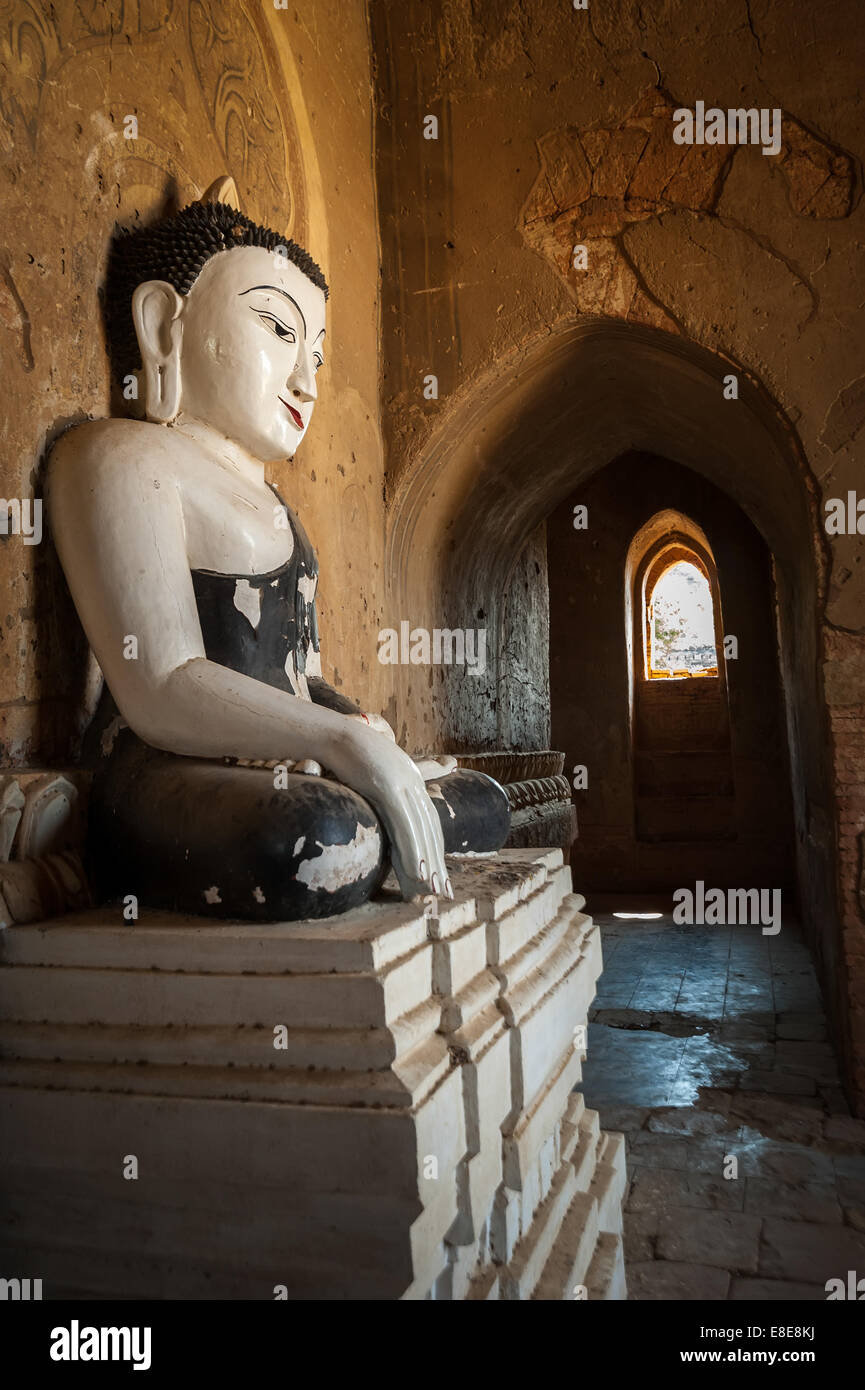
(209, 711)
(120, 534)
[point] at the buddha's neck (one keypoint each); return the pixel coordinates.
(220, 447)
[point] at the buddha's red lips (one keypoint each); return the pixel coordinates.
(295, 414)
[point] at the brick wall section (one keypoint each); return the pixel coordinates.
(844, 671)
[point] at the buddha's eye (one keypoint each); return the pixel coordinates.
(318, 361)
(277, 326)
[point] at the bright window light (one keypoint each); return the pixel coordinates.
(681, 625)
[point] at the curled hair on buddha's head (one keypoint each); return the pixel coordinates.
(177, 249)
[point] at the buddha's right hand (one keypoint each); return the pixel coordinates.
(372, 765)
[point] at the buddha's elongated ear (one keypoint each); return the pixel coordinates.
(156, 307)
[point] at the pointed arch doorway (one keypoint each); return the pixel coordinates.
(683, 725)
(508, 450)
(679, 706)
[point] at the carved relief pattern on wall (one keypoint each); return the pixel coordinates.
(241, 88)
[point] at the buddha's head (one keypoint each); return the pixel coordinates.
(222, 320)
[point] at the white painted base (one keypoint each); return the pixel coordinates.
(413, 1134)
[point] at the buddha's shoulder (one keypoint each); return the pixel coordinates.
(96, 447)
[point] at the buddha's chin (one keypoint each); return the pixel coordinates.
(293, 444)
(282, 442)
(270, 448)
(287, 450)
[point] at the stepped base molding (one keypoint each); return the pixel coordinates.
(379, 1105)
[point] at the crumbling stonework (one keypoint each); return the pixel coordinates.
(593, 185)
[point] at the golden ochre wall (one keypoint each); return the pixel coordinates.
(279, 99)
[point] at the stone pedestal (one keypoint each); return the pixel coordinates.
(379, 1105)
(542, 807)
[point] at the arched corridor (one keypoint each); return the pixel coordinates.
(687, 778)
(613, 448)
(529, 437)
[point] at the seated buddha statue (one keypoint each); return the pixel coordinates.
(231, 780)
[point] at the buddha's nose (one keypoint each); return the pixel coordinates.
(302, 380)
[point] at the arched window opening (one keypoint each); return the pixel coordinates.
(680, 623)
(680, 729)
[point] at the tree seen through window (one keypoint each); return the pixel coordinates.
(681, 622)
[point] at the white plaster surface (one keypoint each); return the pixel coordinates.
(415, 1134)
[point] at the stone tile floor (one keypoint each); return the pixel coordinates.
(710, 1043)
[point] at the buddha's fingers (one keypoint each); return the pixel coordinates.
(378, 769)
(411, 851)
(438, 874)
(422, 869)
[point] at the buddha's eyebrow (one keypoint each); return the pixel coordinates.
(284, 294)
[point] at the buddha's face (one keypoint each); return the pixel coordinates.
(252, 342)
